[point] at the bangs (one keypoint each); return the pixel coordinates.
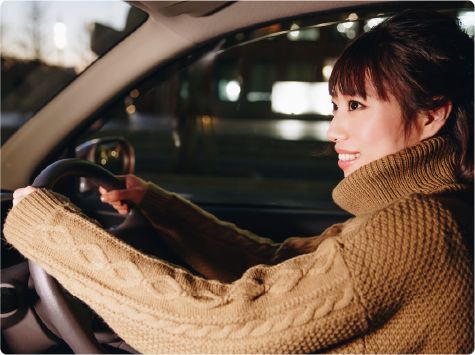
(361, 66)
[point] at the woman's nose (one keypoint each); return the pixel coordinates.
(337, 130)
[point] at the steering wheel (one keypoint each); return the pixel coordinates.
(59, 313)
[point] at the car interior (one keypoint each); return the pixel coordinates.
(224, 103)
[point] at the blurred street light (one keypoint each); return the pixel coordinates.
(467, 21)
(60, 35)
(297, 98)
(60, 39)
(229, 90)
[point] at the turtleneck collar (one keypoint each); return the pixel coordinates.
(425, 167)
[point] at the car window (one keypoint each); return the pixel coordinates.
(246, 123)
(46, 44)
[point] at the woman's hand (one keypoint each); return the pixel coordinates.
(20, 194)
(135, 191)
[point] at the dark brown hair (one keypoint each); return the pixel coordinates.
(424, 60)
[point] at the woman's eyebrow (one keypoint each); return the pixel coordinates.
(359, 98)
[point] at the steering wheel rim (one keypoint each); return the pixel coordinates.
(74, 330)
(77, 167)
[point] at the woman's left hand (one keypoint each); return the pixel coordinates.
(20, 194)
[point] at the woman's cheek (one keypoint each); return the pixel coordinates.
(369, 142)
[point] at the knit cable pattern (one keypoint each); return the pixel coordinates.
(90, 263)
(396, 278)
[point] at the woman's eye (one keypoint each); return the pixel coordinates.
(354, 105)
(335, 107)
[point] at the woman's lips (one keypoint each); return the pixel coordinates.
(346, 158)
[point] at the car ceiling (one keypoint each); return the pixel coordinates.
(199, 21)
(175, 8)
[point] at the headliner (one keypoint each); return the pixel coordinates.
(191, 22)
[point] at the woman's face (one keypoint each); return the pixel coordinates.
(365, 130)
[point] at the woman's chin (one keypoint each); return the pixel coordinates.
(349, 166)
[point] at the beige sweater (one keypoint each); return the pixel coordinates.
(397, 278)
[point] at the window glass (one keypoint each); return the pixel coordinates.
(46, 44)
(246, 124)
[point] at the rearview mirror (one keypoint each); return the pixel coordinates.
(115, 154)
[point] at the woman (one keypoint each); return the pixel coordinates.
(398, 277)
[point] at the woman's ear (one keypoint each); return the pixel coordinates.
(434, 120)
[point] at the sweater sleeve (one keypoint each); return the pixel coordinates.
(216, 249)
(303, 304)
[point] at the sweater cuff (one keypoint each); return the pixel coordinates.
(38, 205)
(34, 210)
(156, 198)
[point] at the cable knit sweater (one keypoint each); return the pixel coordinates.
(396, 278)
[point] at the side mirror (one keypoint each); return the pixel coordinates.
(115, 154)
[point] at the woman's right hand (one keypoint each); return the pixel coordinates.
(135, 191)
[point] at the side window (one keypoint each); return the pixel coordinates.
(245, 125)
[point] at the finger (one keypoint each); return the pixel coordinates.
(102, 190)
(118, 195)
(112, 196)
(18, 192)
(117, 204)
(122, 209)
(120, 204)
(23, 191)
(30, 189)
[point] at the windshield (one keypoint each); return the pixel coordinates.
(46, 44)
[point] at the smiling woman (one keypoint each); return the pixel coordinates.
(386, 96)
(396, 278)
